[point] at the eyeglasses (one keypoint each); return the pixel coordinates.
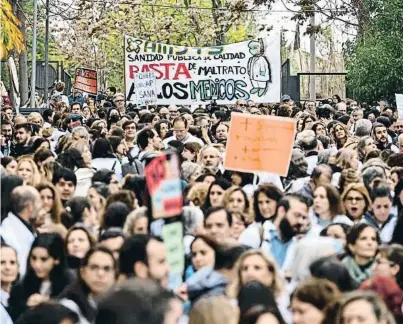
(242, 105)
(121, 100)
(96, 268)
(354, 199)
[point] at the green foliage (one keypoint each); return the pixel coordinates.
(376, 67)
(98, 38)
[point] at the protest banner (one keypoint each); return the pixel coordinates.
(259, 144)
(172, 235)
(164, 186)
(86, 80)
(399, 104)
(187, 75)
(146, 91)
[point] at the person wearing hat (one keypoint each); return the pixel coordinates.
(380, 136)
(285, 98)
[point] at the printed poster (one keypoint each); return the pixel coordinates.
(187, 75)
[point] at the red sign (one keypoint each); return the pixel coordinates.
(86, 80)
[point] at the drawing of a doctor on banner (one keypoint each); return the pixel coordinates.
(259, 68)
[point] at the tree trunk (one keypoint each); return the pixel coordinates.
(23, 60)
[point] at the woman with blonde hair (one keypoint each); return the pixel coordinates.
(214, 310)
(35, 118)
(236, 200)
(28, 171)
(339, 134)
(254, 264)
(51, 202)
(136, 222)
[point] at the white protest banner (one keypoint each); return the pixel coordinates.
(146, 91)
(187, 75)
(399, 104)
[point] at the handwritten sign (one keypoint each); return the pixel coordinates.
(399, 104)
(259, 143)
(248, 70)
(86, 80)
(172, 235)
(146, 90)
(164, 186)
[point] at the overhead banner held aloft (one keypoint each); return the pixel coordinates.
(188, 75)
(86, 80)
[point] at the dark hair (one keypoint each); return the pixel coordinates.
(136, 184)
(117, 132)
(226, 255)
(133, 250)
(115, 142)
(6, 160)
(38, 142)
(102, 149)
(26, 126)
(222, 183)
(59, 276)
(325, 140)
(128, 122)
(101, 188)
(78, 291)
(217, 209)
(380, 191)
(77, 227)
(74, 210)
(285, 201)
(221, 115)
(320, 293)
(344, 227)
(66, 174)
(394, 254)
(333, 196)
(126, 304)
(309, 144)
(334, 270)
(355, 232)
(255, 295)
(75, 104)
(115, 215)
(41, 155)
(103, 176)
(48, 313)
(143, 136)
(271, 191)
(71, 159)
(8, 184)
(319, 170)
(157, 126)
(112, 232)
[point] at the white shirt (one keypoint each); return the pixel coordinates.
(189, 138)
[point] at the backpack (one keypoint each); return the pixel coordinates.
(134, 166)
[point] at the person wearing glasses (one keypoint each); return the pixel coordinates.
(119, 101)
(241, 104)
(356, 201)
(97, 275)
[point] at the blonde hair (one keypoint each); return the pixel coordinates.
(214, 310)
(34, 115)
(278, 284)
(344, 157)
(36, 176)
(198, 194)
(248, 211)
(78, 145)
(132, 218)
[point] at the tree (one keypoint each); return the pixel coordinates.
(11, 37)
(376, 66)
(95, 38)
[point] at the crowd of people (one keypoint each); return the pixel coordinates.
(323, 244)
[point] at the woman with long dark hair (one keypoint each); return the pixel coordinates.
(46, 274)
(97, 275)
(215, 193)
(103, 157)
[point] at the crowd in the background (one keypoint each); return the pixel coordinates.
(323, 244)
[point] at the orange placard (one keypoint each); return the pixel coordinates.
(259, 143)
